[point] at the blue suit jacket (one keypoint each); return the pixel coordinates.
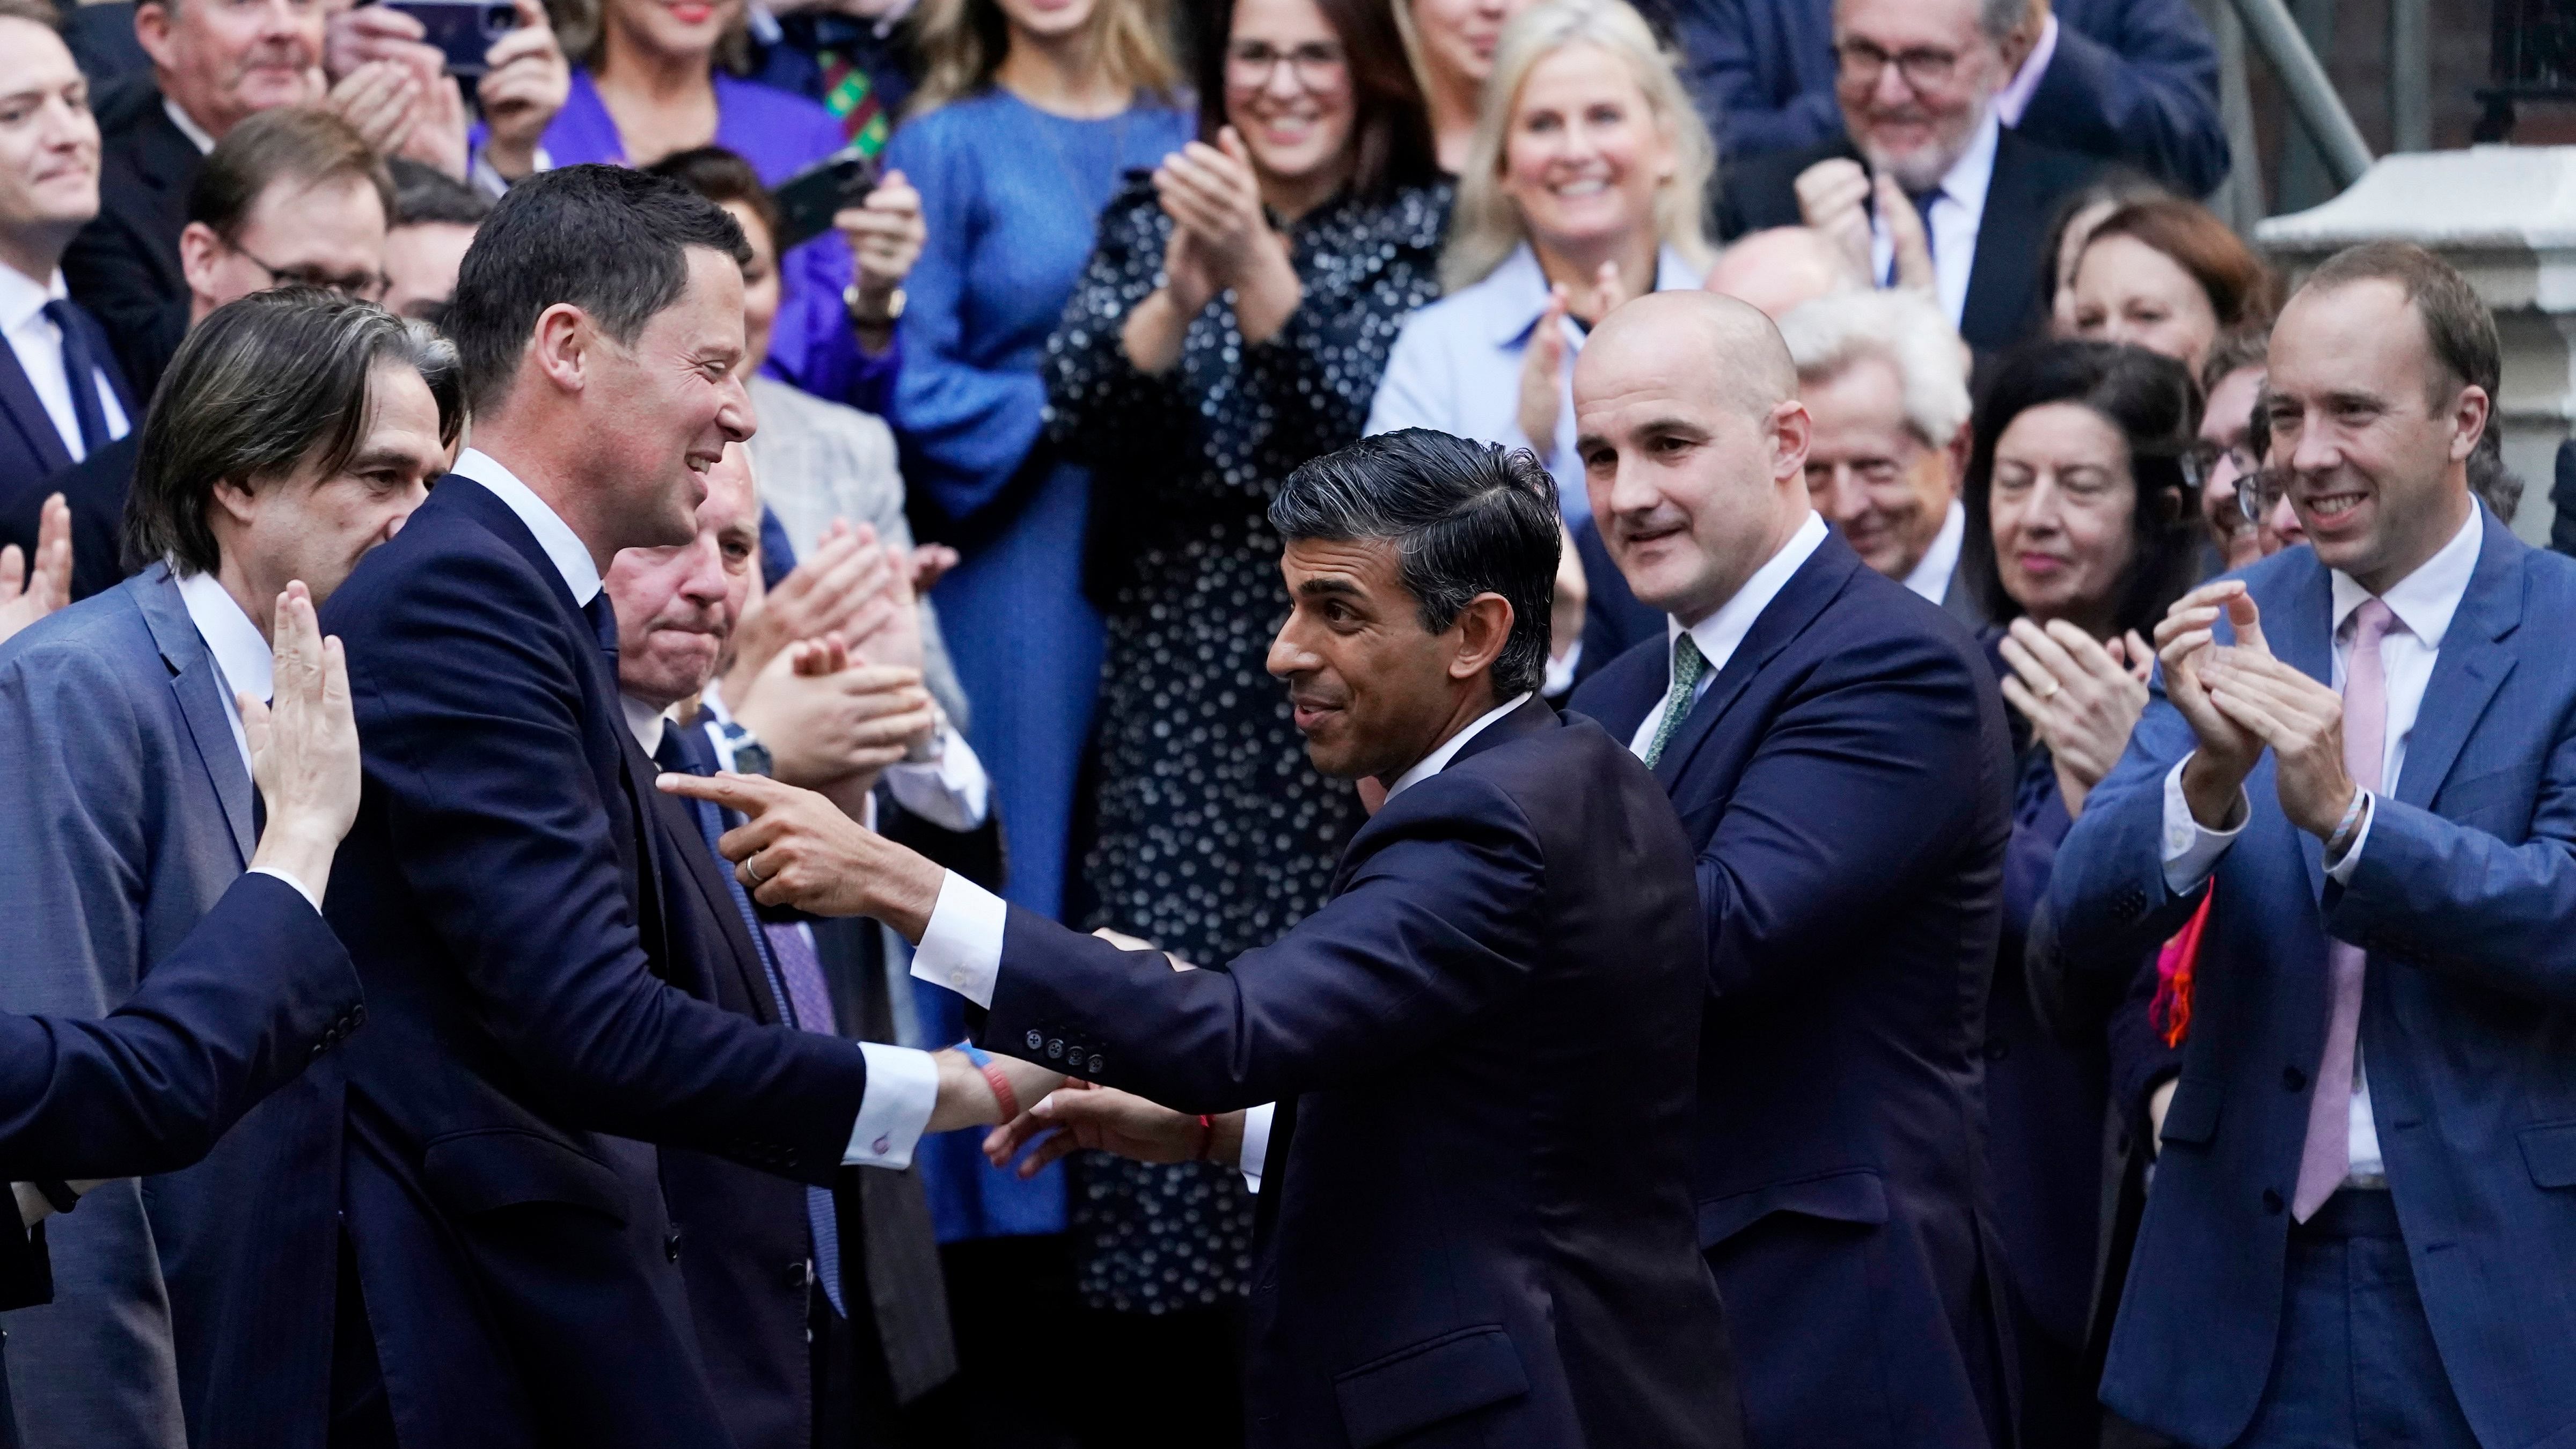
(256, 993)
(2134, 81)
(1475, 1227)
(514, 923)
(2463, 897)
(34, 463)
(1845, 782)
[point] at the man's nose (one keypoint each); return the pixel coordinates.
(1841, 498)
(734, 411)
(1289, 656)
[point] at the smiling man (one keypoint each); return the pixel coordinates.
(1474, 1226)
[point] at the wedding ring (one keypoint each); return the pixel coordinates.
(756, 877)
(2050, 692)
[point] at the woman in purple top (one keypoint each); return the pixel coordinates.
(649, 86)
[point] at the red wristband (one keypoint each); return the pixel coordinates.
(1002, 1092)
(1207, 1137)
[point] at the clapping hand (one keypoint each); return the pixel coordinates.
(28, 595)
(1223, 239)
(832, 724)
(2300, 719)
(1543, 360)
(2082, 698)
(2214, 778)
(1910, 245)
(840, 588)
(1833, 198)
(303, 746)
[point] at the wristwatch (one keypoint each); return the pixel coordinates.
(750, 756)
(894, 304)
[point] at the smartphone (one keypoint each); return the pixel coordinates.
(808, 200)
(463, 30)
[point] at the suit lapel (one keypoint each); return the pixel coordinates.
(2471, 665)
(103, 352)
(2009, 235)
(18, 399)
(193, 682)
(1529, 719)
(1788, 614)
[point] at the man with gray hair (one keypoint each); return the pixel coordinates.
(1885, 382)
(1918, 83)
(295, 431)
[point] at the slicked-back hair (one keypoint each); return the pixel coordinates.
(2459, 327)
(611, 241)
(257, 389)
(1465, 518)
(305, 146)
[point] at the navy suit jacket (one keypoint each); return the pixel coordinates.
(1475, 1224)
(504, 899)
(2008, 283)
(1845, 784)
(2133, 81)
(2463, 898)
(32, 455)
(124, 265)
(258, 991)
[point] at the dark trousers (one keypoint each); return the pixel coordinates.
(2356, 1367)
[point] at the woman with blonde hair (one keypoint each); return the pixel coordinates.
(1585, 184)
(1450, 45)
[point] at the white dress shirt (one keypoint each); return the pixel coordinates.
(243, 665)
(1931, 576)
(198, 136)
(2423, 602)
(38, 344)
(1456, 366)
(1720, 633)
(961, 948)
(1955, 218)
(903, 1084)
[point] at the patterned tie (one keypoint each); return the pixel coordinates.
(1688, 665)
(820, 1220)
(849, 95)
(80, 369)
(2327, 1158)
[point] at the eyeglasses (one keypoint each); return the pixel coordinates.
(1253, 64)
(1924, 68)
(365, 286)
(2257, 491)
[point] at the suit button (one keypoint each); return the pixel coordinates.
(1055, 1048)
(799, 1273)
(671, 1243)
(358, 1015)
(2293, 1080)
(1036, 1040)
(2271, 1201)
(1095, 1066)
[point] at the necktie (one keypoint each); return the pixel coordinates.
(1688, 665)
(1922, 207)
(820, 1219)
(2327, 1158)
(80, 369)
(603, 622)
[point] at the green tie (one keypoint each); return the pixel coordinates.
(1688, 667)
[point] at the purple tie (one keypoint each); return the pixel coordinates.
(2327, 1159)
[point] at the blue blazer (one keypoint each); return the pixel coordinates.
(1475, 1224)
(2133, 81)
(31, 447)
(2463, 897)
(1845, 782)
(515, 925)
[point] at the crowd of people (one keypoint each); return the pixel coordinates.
(2054, 681)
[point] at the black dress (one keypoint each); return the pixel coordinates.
(1214, 834)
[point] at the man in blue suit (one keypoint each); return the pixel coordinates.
(516, 1273)
(1836, 748)
(2366, 749)
(258, 991)
(125, 788)
(2127, 81)
(1473, 1225)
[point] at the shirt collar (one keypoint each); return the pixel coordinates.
(22, 297)
(1438, 760)
(2424, 600)
(1931, 575)
(644, 721)
(1969, 177)
(1719, 633)
(240, 653)
(564, 547)
(198, 136)
(1519, 289)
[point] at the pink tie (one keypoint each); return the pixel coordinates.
(2327, 1159)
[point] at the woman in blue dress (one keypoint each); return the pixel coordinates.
(1028, 117)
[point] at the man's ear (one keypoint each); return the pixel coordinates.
(1791, 429)
(152, 32)
(2472, 413)
(199, 251)
(230, 500)
(561, 346)
(1963, 444)
(1484, 627)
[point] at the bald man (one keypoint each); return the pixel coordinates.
(1781, 269)
(1835, 746)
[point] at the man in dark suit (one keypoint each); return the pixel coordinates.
(2128, 81)
(2364, 749)
(257, 991)
(1837, 750)
(1474, 1226)
(1919, 89)
(516, 1274)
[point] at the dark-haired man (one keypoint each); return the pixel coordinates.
(434, 219)
(2359, 756)
(125, 795)
(515, 1269)
(1474, 1225)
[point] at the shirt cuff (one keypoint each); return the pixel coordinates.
(951, 792)
(1560, 673)
(903, 1085)
(2014, 99)
(2341, 871)
(1256, 1142)
(314, 897)
(961, 949)
(2191, 848)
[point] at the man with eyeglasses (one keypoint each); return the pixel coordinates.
(1923, 87)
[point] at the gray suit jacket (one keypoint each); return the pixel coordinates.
(820, 460)
(125, 813)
